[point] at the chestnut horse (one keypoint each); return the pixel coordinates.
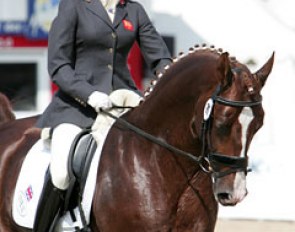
(167, 163)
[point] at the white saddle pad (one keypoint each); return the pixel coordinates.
(30, 183)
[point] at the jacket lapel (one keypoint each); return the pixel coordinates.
(121, 13)
(97, 8)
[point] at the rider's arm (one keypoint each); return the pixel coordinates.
(61, 53)
(152, 45)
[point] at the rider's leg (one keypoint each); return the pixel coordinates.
(57, 179)
(48, 206)
(62, 138)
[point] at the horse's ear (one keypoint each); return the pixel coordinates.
(225, 69)
(262, 74)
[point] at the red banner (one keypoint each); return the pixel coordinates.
(135, 64)
(21, 41)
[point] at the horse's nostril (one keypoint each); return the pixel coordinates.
(223, 196)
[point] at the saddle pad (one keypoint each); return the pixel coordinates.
(30, 184)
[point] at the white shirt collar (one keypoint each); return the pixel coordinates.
(110, 7)
(109, 3)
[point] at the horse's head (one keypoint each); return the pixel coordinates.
(218, 101)
(232, 116)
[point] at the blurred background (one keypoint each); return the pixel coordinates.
(250, 30)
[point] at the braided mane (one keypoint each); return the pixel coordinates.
(181, 55)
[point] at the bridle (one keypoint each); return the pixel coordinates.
(215, 160)
(212, 161)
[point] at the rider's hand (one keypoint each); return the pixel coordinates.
(99, 100)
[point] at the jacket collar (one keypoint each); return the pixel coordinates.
(121, 13)
(97, 8)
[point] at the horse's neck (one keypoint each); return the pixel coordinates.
(164, 119)
(167, 113)
(166, 168)
(167, 118)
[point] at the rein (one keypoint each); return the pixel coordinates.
(151, 137)
(214, 160)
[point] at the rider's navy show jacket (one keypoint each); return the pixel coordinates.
(87, 52)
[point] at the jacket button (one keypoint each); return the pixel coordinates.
(110, 67)
(114, 35)
(111, 50)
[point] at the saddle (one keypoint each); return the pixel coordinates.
(80, 157)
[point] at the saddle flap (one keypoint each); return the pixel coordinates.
(80, 157)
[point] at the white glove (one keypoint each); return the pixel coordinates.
(99, 100)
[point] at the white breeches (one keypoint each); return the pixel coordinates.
(62, 138)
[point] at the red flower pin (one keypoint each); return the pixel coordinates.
(128, 25)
